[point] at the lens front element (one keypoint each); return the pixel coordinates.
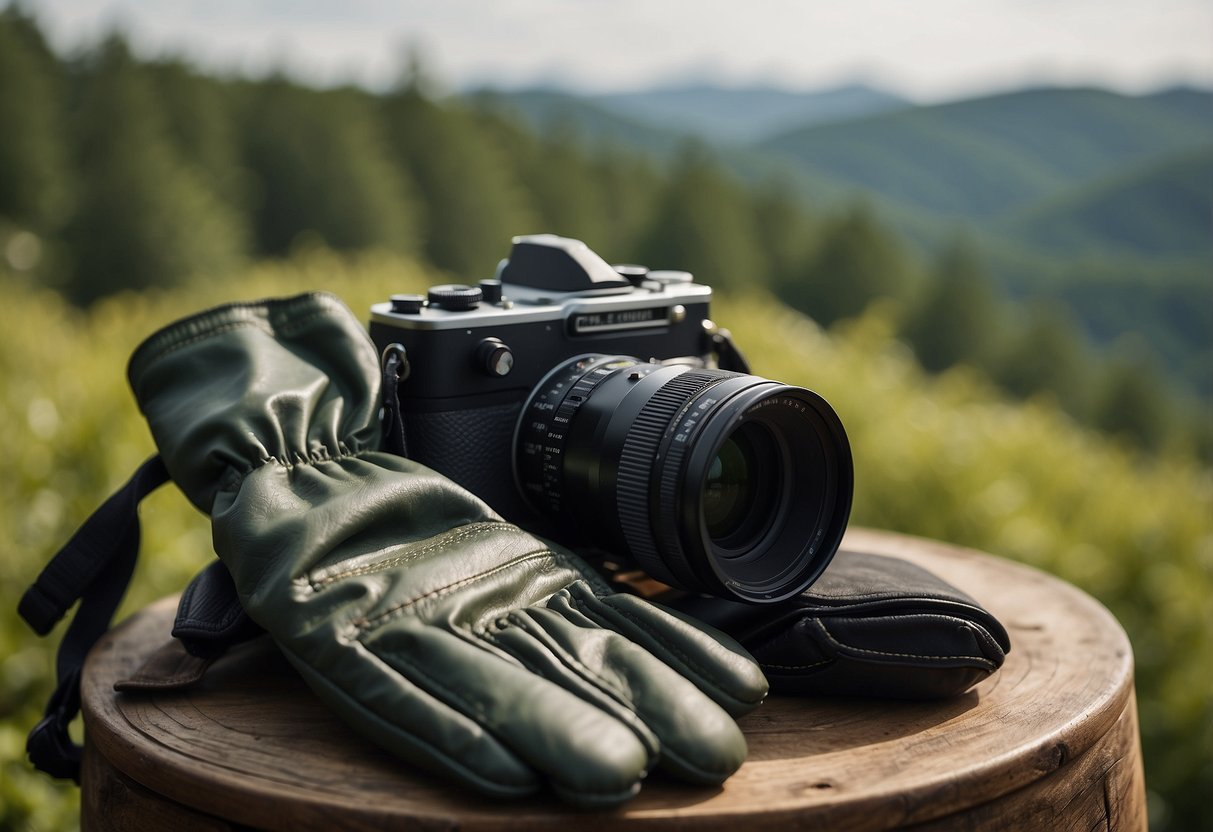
(738, 491)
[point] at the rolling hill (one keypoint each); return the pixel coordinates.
(547, 110)
(1160, 209)
(980, 159)
(1096, 199)
(991, 164)
(747, 114)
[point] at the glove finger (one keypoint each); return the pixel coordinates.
(699, 742)
(589, 757)
(392, 711)
(713, 661)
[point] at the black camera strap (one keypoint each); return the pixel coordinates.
(94, 568)
(394, 366)
(728, 356)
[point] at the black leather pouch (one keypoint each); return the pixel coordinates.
(871, 626)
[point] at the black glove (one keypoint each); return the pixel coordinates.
(871, 626)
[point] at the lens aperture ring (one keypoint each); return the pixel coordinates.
(543, 432)
(639, 465)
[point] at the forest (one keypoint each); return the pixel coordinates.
(135, 191)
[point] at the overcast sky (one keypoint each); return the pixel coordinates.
(927, 49)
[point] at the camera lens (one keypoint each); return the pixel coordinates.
(737, 491)
(713, 481)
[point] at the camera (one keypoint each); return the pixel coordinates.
(599, 405)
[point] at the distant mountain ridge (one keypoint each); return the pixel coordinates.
(719, 115)
(548, 110)
(984, 158)
(1162, 209)
(744, 115)
(993, 163)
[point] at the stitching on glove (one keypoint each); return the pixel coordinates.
(703, 674)
(231, 326)
(465, 533)
(980, 659)
(887, 595)
(314, 457)
(795, 666)
(369, 625)
(243, 323)
(234, 477)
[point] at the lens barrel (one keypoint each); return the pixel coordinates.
(716, 482)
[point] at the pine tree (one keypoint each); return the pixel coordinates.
(957, 320)
(145, 218)
(704, 224)
(1048, 354)
(784, 231)
(567, 198)
(470, 203)
(1132, 398)
(35, 169)
(200, 118)
(856, 261)
(322, 171)
(630, 187)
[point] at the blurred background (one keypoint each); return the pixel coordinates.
(982, 229)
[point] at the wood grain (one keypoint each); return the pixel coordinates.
(1050, 741)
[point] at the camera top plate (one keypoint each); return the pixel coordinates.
(548, 278)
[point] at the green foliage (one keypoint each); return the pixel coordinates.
(1168, 307)
(1159, 209)
(323, 171)
(988, 156)
(856, 262)
(553, 169)
(472, 203)
(200, 117)
(72, 436)
(949, 458)
(957, 318)
(543, 110)
(704, 224)
(35, 187)
(1131, 400)
(787, 237)
(145, 217)
(945, 457)
(1045, 355)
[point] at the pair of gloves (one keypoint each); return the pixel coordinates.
(452, 638)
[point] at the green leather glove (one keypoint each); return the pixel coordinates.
(451, 638)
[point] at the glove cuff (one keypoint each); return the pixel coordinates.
(291, 380)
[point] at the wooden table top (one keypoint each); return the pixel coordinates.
(251, 743)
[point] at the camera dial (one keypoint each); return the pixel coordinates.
(455, 297)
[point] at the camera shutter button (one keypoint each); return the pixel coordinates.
(490, 291)
(455, 297)
(494, 357)
(407, 304)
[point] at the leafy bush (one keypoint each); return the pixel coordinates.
(947, 457)
(944, 457)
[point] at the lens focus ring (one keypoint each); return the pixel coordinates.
(637, 465)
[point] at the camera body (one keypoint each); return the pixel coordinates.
(475, 353)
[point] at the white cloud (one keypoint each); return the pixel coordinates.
(930, 48)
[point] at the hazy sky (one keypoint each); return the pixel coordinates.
(929, 49)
